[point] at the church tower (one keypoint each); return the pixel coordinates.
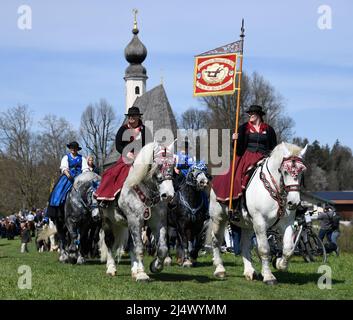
(135, 74)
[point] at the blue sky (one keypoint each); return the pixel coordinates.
(74, 55)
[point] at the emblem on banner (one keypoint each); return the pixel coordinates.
(215, 74)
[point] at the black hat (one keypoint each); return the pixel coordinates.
(257, 109)
(74, 145)
(133, 111)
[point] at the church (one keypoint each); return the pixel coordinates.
(154, 103)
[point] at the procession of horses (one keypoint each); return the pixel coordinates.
(154, 198)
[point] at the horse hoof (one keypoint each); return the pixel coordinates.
(271, 282)
(167, 262)
(251, 276)
(111, 273)
(80, 260)
(187, 264)
(153, 267)
(142, 277)
(220, 275)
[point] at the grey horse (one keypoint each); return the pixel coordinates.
(142, 201)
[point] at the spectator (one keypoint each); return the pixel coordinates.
(25, 237)
(236, 235)
(329, 225)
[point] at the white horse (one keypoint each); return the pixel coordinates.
(143, 199)
(272, 196)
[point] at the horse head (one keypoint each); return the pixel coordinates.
(291, 169)
(163, 167)
(198, 176)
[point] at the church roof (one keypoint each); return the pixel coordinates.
(155, 107)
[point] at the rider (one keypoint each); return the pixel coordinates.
(183, 162)
(72, 164)
(255, 140)
(130, 139)
(92, 167)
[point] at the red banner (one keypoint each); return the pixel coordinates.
(215, 74)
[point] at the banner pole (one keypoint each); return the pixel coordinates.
(242, 35)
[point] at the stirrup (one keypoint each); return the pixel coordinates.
(234, 216)
(103, 204)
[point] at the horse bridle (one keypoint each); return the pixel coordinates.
(279, 193)
(164, 159)
(191, 177)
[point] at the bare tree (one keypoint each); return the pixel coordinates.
(56, 134)
(97, 130)
(254, 90)
(194, 119)
(20, 146)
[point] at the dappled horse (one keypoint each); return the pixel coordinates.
(142, 201)
(82, 217)
(189, 212)
(272, 196)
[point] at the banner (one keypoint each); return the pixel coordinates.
(215, 74)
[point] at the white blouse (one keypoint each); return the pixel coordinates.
(65, 164)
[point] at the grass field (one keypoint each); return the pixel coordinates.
(53, 280)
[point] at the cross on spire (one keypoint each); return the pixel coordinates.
(135, 12)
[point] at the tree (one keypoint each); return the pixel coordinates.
(20, 146)
(254, 90)
(56, 134)
(97, 130)
(194, 119)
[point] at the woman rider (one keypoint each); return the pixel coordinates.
(256, 139)
(72, 164)
(130, 139)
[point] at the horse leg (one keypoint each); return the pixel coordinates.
(288, 249)
(187, 249)
(106, 251)
(216, 227)
(264, 252)
(135, 230)
(246, 245)
(162, 247)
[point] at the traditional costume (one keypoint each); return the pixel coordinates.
(75, 165)
(252, 146)
(127, 140)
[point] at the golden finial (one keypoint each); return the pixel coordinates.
(135, 12)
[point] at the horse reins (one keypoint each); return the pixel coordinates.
(148, 202)
(161, 159)
(279, 193)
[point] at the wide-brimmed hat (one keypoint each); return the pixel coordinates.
(133, 111)
(257, 109)
(74, 145)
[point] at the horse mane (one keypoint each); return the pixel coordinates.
(142, 165)
(279, 150)
(84, 178)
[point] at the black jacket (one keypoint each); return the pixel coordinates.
(121, 142)
(243, 139)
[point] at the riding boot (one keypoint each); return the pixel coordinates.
(234, 215)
